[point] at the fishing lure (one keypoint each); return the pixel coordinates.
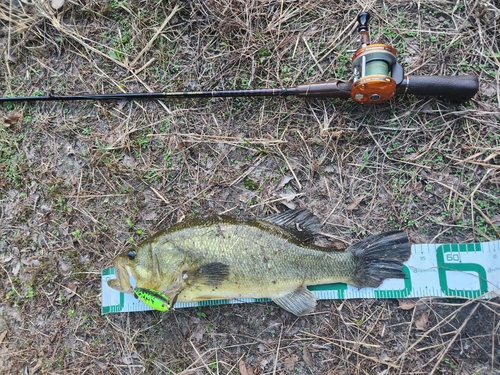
(152, 298)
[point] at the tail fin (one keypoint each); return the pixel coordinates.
(380, 257)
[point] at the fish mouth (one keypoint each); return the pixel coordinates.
(122, 281)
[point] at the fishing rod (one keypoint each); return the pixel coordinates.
(377, 77)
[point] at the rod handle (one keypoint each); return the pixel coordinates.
(454, 88)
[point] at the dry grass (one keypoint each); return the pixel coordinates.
(82, 181)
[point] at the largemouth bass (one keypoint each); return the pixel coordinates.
(225, 258)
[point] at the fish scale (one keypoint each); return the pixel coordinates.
(256, 258)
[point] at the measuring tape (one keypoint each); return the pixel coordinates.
(450, 270)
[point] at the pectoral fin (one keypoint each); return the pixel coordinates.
(211, 274)
(299, 302)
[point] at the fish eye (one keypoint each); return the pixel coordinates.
(131, 255)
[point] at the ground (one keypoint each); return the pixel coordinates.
(83, 181)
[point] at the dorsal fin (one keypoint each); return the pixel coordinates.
(302, 224)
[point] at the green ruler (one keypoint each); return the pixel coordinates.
(450, 270)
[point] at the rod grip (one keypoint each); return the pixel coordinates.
(455, 88)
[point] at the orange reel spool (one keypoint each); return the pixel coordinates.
(373, 67)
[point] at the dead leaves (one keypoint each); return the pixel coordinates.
(422, 322)
(355, 203)
(286, 196)
(11, 118)
(307, 357)
(244, 370)
(281, 184)
(406, 304)
(290, 362)
(71, 290)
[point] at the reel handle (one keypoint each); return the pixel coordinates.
(363, 19)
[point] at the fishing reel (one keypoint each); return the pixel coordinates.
(377, 74)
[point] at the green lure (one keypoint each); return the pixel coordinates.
(152, 298)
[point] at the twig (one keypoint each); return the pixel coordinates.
(220, 138)
(277, 351)
(159, 195)
(200, 357)
(331, 341)
(158, 32)
(247, 172)
(437, 326)
(273, 201)
(450, 342)
(11, 283)
(493, 166)
(354, 351)
(290, 168)
(392, 159)
(312, 55)
(471, 197)
(474, 205)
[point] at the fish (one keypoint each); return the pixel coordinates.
(223, 257)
